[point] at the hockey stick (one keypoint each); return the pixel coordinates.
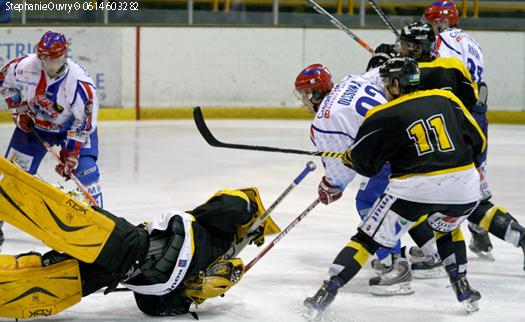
(281, 235)
(339, 25)
(72, 176)
(239, 245)
(208, 136)
(384, 17)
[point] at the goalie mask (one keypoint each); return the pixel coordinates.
(312, 84)
(417, 40)
(405, 71)
(52, 52)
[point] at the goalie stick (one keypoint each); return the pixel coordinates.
(282, 234)
(239, 244)
(339, 25)
(384, 17)
(211, 140)
(72, 176)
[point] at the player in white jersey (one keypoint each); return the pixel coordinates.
(454, 42)
(53, 96)
(340, 110)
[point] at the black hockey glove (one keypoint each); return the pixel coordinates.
(382, 53)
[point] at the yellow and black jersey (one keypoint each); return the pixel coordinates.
(419, 133)
(449, 74)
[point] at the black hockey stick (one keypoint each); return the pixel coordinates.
(384, 17)
(339, 25)
(208, 136)
(282, 234)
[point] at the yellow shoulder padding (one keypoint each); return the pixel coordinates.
(51, 215)
(270, 227)
(28, 290)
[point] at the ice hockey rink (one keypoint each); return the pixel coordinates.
(151, 166)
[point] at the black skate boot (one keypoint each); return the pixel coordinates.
(429, 267)
(481, 245)
(324, 296)
(394, 281)
(465, 294)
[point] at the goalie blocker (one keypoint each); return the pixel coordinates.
(169, 263)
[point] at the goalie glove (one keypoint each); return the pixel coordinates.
(218, 278)
(328, 193)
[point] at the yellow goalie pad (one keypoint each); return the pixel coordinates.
(51, 215)
(28, 290)
(268, 225)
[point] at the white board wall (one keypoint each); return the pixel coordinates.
(242, 67)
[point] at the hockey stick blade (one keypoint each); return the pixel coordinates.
(211, 140)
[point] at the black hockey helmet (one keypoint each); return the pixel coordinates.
(419, 38)
(405, 70)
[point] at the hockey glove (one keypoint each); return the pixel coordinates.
(69, 163)
(23, 116)
(327, 192)
(347, 158)
(44, 104)
(382, 53)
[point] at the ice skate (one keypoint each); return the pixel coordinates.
(481, 245)
(415, 254)
(381, 266)
(465, 294)
(316, 304)
(395, 281)
(429, 267)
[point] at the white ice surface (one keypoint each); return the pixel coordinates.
(151, 166)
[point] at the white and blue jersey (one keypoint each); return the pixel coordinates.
(456, 43)
(69, 120)
(337, 121)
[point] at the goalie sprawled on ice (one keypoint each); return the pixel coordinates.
(169, 263)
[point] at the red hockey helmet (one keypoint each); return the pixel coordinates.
(441, 10)
(314, 79)
(52, 51)
(312, 84)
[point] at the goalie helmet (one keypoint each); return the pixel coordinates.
(313, 83)
(418, 38)
(405, 70)
(52, 52)
(440, 11)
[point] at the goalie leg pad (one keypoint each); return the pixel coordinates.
(218, 278)
(51, 215)
(30, 290)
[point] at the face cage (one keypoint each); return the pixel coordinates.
(53, 65)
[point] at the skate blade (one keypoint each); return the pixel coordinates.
(470, 306)
(438, 272)
(392, 290)
(311, 314)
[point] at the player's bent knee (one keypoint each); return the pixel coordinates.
(29, 290)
